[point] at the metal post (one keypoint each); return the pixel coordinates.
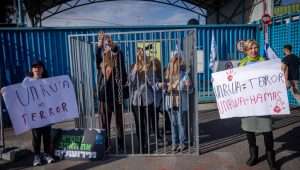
(20, 17)
(1, 123)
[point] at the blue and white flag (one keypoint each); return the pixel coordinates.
(213, 53)
(269, 52)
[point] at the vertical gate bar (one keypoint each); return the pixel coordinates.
(154, 93)
(70, 55)
(139, 111)
(122, 104)
(114, 110)
(86, 81)
(128, 44)
(195, 98)
(144, 38)
(188, 55)
(95, 96)
(163, 98)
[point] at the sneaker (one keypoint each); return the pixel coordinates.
(174, 147)
(48, 158)
(181, 148)
(108, 150)
(37, 160)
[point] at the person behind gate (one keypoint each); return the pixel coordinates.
(177, 88)
(112, 78)
(142, 99)
(155, 77)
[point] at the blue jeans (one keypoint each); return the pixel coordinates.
(178, 126)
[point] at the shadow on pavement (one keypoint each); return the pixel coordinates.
(291, 143)
(24, 160)
(91, 164)
(218, 133)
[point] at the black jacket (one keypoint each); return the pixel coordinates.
(112, 86)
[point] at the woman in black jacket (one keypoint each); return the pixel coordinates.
(112, 78)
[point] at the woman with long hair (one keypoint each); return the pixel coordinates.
(142, 99)
(177, 87)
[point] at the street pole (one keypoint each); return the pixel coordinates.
(1, 122)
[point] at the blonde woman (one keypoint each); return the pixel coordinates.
(142, 99)
(254, 124)
(177, 86)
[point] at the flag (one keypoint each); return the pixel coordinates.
(269, 53)
(213, 53)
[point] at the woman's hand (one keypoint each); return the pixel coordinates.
(135, 67)
(108, 72)
(145, 68)
(100, 39)
(162, 85)
(187, 83)
(175, 84)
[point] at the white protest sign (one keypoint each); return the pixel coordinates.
(37, 103)
(254, 90)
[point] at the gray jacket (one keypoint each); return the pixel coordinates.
(142, 92)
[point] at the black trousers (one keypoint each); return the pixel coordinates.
(268, 138)
(105, 111)
(142, 124)
(154, 122)
(37, 135)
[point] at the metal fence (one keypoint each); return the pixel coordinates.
(285, 30)
(159, 45)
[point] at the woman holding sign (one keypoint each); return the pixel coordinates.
(38, 71)
(254, 124)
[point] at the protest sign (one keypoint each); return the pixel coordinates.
(254, 90)
(79, 143)
(37, 103)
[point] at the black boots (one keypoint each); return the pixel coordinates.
(253, 150)
(271, 160)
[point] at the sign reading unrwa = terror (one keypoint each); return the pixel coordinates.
(79, 143)
(254, 90)
(37, 103)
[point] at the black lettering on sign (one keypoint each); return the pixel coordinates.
(57, 109)
(24, 118)
(64, 107)
(42, 115)
(33, 115)
(23, 103)
(44, 91)
(34, 93)
(54, 89)
(66, 84)
(51, 113)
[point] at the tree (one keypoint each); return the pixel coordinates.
(7, 10)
